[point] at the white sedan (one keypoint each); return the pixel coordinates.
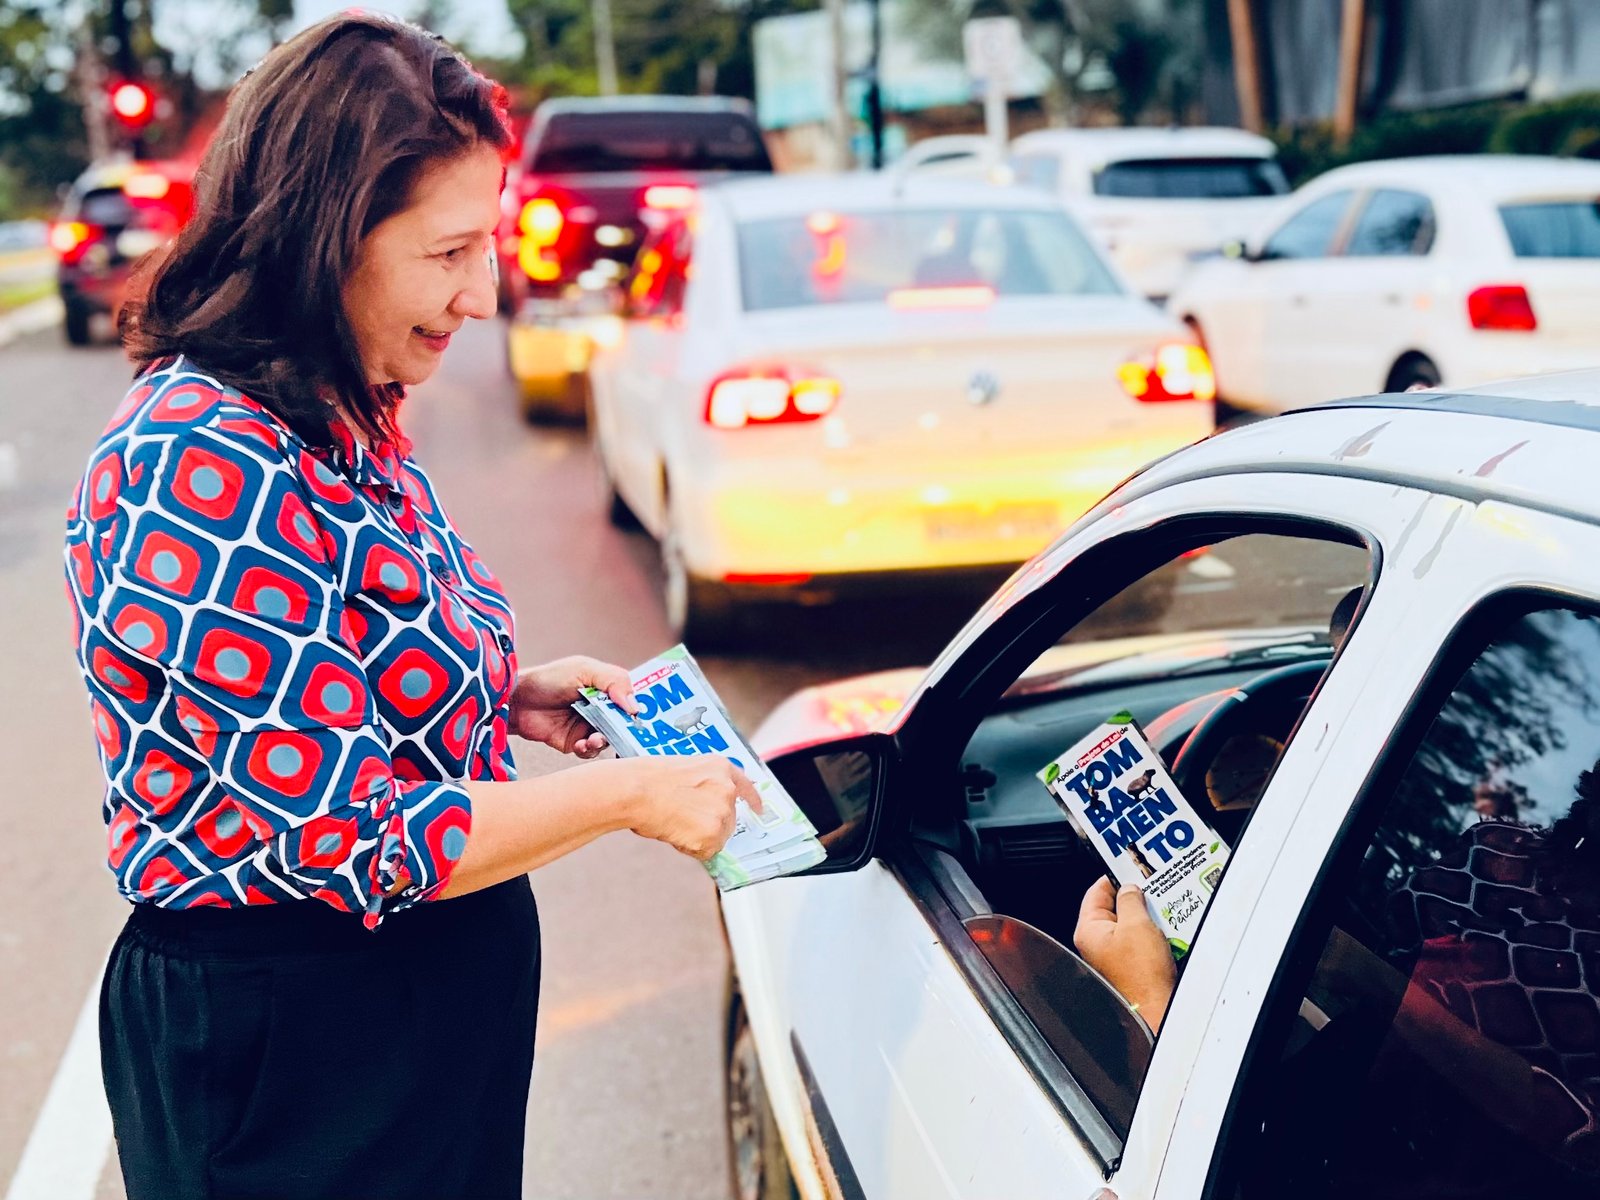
(1383, 691)
(826, 379)
(1157, 199)
(1405, 273)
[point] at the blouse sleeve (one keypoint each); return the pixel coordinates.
(215, 540)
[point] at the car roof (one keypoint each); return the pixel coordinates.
(1530, 442)
(865, 191)
(1101, 146)
(641, 104)
(1491, 176)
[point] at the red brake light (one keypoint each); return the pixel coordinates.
(941, 297)
(769, 396)
(1176, 371)
(1501, 306)
(69, 239)
(668, 197)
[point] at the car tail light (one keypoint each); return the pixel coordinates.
(147, 185)
(540, 225)
(941, 297)
(668, 197)
(69, 239)
(769, 396)
(1176, 371)
(1501, 306)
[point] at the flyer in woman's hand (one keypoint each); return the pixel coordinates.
(680, 713)
(1116, 790)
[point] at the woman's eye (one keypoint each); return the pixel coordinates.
(454, 255)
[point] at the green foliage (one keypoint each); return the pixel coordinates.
(1569, 126)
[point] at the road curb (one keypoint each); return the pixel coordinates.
(30, 318)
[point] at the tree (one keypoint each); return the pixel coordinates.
(43, 141)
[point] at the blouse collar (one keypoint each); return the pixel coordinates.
(376, 465)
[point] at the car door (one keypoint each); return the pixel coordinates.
(1366, 305)
(1291, 271)
(889, 1052)
(641, 376)
(1474, 750)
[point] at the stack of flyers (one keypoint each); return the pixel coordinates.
(681, 714)
(1116, 790)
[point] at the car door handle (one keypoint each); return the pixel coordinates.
(1392, 298)
(1298, 301)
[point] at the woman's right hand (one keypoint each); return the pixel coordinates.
(687, 802)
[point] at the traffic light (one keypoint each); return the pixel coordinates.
(132, 103)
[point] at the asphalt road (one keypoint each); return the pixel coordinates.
(627, 1087)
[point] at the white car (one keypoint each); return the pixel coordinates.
(1158, 199)
(830, 381)
(1382, 690)
(1404, 273)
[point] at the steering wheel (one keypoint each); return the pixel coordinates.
(1241, 711)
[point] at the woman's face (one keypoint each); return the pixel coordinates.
(421, 273)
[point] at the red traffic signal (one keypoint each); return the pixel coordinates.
(133, 104)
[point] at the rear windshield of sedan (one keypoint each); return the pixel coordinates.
(915, 256)
(1565, 229)
(650, 141)
(1191, 179)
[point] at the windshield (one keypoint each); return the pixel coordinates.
(1191, 179)
(936, 258)
(650, 141)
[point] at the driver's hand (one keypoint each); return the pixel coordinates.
(1116, 937)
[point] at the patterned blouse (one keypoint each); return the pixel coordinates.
(293, 659)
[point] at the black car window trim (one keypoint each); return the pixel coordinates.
(1473, 634)
(936, 734)
(1059, 1085)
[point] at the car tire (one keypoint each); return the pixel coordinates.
(700, 612)
(616, 508)
(75, 325)
(1413, 371)
(758, 1167)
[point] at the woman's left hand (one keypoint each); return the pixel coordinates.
(541, 704)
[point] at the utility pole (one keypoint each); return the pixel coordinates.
(1352, 56)
(92, 88)
(124, 66)
(838, 116)
(875, 87)
(1246, 63)
(605, 47)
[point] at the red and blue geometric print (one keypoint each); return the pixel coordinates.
(293, 659)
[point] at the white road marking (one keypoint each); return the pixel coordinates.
(71, 1141)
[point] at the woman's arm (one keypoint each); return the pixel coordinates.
(520, 826)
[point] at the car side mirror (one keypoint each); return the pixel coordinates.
(839, 785)
(1239, 249)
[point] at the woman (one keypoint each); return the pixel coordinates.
(302, 679)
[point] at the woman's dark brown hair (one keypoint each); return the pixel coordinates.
(321, 142)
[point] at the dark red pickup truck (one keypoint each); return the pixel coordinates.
(594, 175)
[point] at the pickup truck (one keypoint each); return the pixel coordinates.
(594, 176)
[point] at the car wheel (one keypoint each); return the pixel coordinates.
(759, 1167)
(699, 612)
(1412, 373)
(76, 325)
(616, 508)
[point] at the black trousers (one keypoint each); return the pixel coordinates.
(283, 1052)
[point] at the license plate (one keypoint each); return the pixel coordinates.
(970, 522)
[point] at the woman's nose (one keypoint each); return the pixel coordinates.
(477, 298)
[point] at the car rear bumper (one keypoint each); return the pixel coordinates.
(776, 518)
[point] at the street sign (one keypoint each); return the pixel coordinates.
(994, 49)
